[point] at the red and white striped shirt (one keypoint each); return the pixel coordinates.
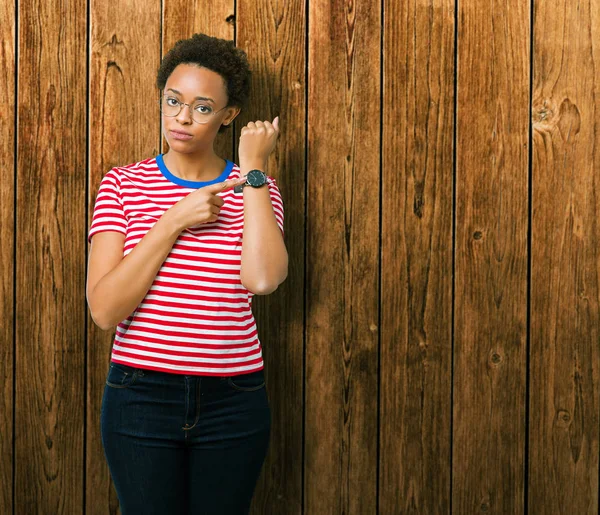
(196, 319)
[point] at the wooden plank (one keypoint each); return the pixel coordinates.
(491, 257)
(342, 330)
(273, 35)
(50, 267)
(123, 128)
(7, 206)
(212, 17)
(416, 253)
(565, 320)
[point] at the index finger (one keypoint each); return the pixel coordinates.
(225, 185)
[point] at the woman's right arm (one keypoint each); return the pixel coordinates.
(115, 284)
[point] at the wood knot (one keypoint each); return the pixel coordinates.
(566, 117)
(495, 358)
(569, 121)
(543, 112)
(563, 418)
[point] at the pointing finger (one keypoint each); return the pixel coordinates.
(225, 185)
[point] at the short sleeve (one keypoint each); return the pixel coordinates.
(108, 210)
(277, 202)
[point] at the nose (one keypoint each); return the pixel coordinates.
(185, 115)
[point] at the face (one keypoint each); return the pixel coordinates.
(206, 92)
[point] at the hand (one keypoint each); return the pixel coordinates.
(257, 141)
(201, 206)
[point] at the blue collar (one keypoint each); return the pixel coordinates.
(191, 184)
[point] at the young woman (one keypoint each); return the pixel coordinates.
(180, 243)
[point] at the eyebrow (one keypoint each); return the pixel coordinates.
(197, 98)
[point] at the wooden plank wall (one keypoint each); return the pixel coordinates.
(417, 200)
(490, 302)
(50, 248)
(565, 252)
(435, 347)
(7, 223)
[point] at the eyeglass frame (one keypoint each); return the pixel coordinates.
(181, 104)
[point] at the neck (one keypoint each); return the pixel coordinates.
(203, 165)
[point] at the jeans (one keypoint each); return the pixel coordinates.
(178, 445)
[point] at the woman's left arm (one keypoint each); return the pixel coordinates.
(264, 256)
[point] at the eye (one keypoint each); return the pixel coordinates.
(203, 109)
(171, 101)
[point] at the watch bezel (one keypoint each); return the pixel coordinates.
(252, 174)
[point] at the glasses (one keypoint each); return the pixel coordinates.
(201, 113)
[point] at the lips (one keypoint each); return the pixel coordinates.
(181, 135)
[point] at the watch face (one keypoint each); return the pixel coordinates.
(256, 178)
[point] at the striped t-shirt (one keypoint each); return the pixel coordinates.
(196, 319)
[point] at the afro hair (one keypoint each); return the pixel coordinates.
(218, 55)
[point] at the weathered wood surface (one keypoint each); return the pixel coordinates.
(50, 267)
(342, 318)
(7, 258)
(490, 296)
(435, 346)
(416, 259)
(565, 257)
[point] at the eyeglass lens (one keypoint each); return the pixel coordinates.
(170, 106)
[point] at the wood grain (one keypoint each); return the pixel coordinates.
(123, 128)
(358, 428)
(490, 304)
(216, 18)
(565, 293)
(50, 270)
(342, 330)
(7, 220)
(273, 36)
(416, 254)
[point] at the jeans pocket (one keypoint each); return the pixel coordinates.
(121, 376)
(247, 382)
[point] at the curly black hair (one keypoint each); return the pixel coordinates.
(218, 55)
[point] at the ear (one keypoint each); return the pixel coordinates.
(232, 112)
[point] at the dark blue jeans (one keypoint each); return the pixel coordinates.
(179, 445)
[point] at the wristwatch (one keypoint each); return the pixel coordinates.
(254, 178)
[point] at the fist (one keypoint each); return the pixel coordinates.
(257, 141)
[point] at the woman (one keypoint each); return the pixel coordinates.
(180, 243)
